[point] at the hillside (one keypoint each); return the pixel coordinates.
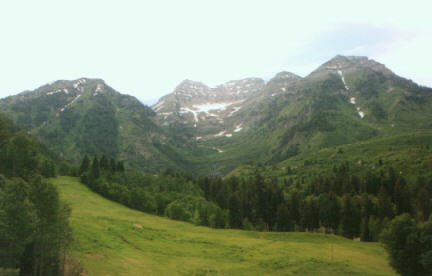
(410, 154)
(111, 239)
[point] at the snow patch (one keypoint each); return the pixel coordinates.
(238, 128)
(343, 79)
(158, 106)
(54, 92)
(164, 113)
(71, 102)
(195, 114)
(219, 134)
(99, 88)
(79, 82)
(353, 100)
(213, 106)
(332, 67)
(236, 108)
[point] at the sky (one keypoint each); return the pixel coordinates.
(145, 48)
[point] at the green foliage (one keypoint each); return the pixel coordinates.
(409, 245)
(34, 228)
(16, 222)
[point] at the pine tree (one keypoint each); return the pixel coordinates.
(85, 165)
(113, 165)
(120, 166)
(349, 219)
(48, 169)
(424, 203)
(365, 235)
(284, 221)
(384, 206)
(95, 170)
(235, 218)
(103, 163)
(16, 225)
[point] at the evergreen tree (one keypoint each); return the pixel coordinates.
(235, 218)
(384, 206)
(366, 212)
(120, 166)
(85, 165)
(284, 221)
(103, 163)
(52, 231)
(48, 169)
(424, 204)
(349, 218)
(329, 211)
(113, 165)
(95, 170)
(365, 235)
(16, 227)
(401, 197)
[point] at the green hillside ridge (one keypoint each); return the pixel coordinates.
(410, 154)
(111, 239)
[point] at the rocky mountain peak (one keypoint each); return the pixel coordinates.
(191, 87)
(284, 75)
(349, 64)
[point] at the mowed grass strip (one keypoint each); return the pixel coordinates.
(111, 239)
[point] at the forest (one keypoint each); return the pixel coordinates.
(34, 223)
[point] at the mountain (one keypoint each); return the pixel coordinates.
(206, 130)
(86, 116)
(346, 100)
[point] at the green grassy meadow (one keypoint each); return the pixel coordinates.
(111, 239)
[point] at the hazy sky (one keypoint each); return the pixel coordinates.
(145, 48)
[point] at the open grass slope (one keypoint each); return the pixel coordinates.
(111, 239)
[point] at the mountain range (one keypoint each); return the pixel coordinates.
(196, 128)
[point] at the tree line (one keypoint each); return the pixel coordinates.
(363, 205)
(34, 223)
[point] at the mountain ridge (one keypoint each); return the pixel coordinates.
(196, 127)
